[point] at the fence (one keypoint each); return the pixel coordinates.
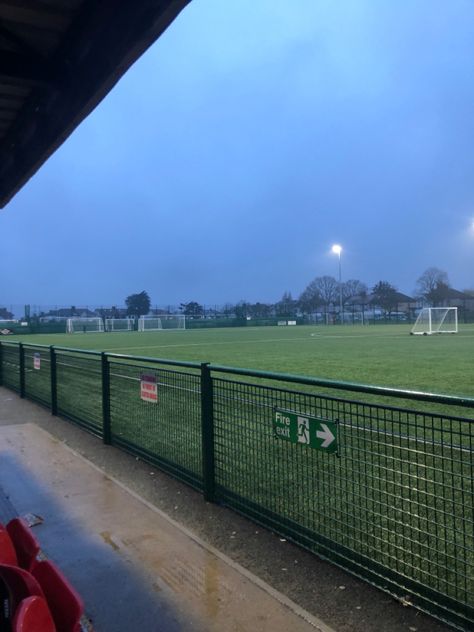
(384, 490)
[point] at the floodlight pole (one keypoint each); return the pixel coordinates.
(336, 249)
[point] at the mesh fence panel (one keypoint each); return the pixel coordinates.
(394, 505)
(37, 374)
(399, 496)
(11, 366)
(167, 432)
(79, 390)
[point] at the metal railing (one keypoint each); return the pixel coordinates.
(376, 480)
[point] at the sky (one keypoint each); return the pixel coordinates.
(251, 137)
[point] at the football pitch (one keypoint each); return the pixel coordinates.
(398, 493)
(382, 355)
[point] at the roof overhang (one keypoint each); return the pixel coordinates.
(58, 60)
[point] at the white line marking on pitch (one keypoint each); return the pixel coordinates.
(242, 342)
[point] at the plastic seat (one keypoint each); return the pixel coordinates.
(26, 545)
(7, 550)
(64, 602)
(33, 615)
(16, 584)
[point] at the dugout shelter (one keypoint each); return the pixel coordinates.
(58, 60)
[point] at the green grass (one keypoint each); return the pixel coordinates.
(400, 491)
(383, 355)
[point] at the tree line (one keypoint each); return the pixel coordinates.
(433, 287)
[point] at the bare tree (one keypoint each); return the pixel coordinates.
(321, 291)
(431, 283)
(353, 288)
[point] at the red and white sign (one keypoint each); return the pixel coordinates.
(37, 361)
(148, 388)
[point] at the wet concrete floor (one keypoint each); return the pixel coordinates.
(134, 567)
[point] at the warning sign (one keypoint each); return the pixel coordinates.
(37, 361)
(148, 388)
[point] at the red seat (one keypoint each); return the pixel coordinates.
(7, 550)
(26, 545)
(16, 584)
(64, 602)
(33, 615)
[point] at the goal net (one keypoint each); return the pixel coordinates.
(436, 320)
(84, 325)
(119, 324)
(165, 321)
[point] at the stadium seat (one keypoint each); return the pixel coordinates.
(26, 545)
(7, 550)
(64, 602)
(16, 584)
(33, 615)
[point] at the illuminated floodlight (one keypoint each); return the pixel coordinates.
(336, 249)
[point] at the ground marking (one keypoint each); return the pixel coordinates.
(233, 342)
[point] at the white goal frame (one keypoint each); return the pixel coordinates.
(119, 324)
(164, 321)
(84, 325)
(436, 320)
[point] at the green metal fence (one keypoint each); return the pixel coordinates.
(393, 503)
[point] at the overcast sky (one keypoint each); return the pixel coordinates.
(251, 137)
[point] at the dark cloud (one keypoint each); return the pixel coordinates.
(245, 142)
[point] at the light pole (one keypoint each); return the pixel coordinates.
(337, 249)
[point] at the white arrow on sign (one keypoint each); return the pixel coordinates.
(325, 434)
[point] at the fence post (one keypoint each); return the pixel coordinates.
(21, 352)
(106, 429)
(1, 364)
(54, 384)
(207, 431)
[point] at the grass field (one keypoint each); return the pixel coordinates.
(383, 355)
(399, 493)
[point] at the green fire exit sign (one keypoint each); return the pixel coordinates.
(317, 433)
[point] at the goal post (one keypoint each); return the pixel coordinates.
(436, 320)
(84, 325)
(164, 321)
(149, 323)
(119, 324)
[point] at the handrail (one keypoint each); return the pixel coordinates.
(385, 391)
(453, 400)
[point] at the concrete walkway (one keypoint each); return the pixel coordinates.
(134, 567)
(124, 568)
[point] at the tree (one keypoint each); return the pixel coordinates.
(431, 284)
(321, 291)
(310, 299)
(354, 288)
(286, 306)
(260, 310)
(242, 310)
(439, 294)
(192, 309)
(138, 304)
(385, 295)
